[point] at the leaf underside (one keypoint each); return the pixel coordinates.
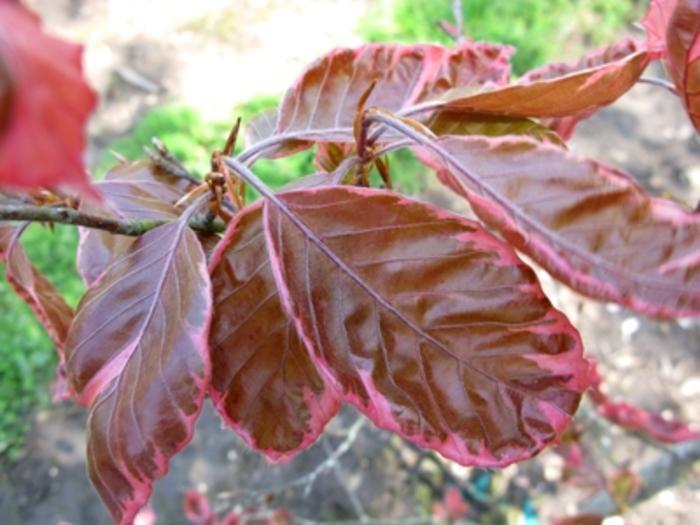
(433, 328)
(48, 305)
(264, 383)
(683, 55)
(133, 190)
(137, 354)
(592, 227)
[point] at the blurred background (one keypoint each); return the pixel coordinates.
(182, 71)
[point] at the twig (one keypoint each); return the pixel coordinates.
(655, 476)
(660, 82)
(309, 479)
(458, 13)
(340, 478)
(401, 521)
(62, 215)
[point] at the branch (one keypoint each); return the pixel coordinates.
(458, 13)
(131, 227)
(660, 82)
(655, 476)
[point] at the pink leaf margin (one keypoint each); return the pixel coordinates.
(637, 419)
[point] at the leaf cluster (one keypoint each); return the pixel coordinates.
(331, 291)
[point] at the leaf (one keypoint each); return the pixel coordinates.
(321, 104)
(134, 190)
(591, 226)
(432, 327)
(261, 126)
(330, 155)
(137, 354)
(561, 90)
(655, 23)
(41, 296)
(5, 96)
(264, 383)
(460, 123)
(564, 126)
(42, 138)
(637, 419)
(683, 41)
(147, 171)
(197, 509)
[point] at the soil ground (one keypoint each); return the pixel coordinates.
(142, 53)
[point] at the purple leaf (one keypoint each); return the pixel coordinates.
(637, 419)
(656, 22)
(264, 383)
(137, 354)
(134, 190)
(432, 327)
(46, 302)
(561, 90)
(683, 58)
(591, 226)
(322, 103)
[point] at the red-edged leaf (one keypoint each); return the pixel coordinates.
(46, 302)
(134, 190)
(264, 383)
(592, 227)
(683, 42)
(197, 509)
(656, 22)
(261, 126)
(147, 172)
(561, 90)
(322, 103)
(637, 419)
(42, 138)
(137, 354)
(564, 126)
(432, 327)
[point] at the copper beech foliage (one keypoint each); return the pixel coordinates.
(332, 292)
(43, 96)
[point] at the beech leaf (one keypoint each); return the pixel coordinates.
(591, 226)
(48, 305)
(460, 123)
(637, 419)
(561, 90)
(137, 354)
(564, 126)
(264, 383)
(133, 190)
(322, 103)
(432, 327)
(44, 108)
(656, 22)
(683, 42)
